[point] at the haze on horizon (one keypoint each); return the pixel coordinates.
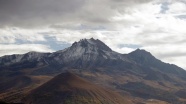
(157, 26)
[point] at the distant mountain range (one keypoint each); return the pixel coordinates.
(137, 76)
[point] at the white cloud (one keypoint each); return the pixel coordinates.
(123, 50)
(11, 34)
(177, 8)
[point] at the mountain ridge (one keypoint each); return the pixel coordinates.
(85, 47)
(96, 62)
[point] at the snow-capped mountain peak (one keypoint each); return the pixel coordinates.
(85, 43)
(86, 52)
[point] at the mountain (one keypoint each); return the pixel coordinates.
(96, 62)
(146, 59)
(87, 53)
(9, 60)
(68, 88)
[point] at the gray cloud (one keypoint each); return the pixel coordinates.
(36, 12)
(32, 13)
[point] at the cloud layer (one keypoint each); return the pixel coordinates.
(155, 25)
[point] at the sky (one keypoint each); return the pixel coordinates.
(158, 26)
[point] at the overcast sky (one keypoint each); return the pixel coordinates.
(158, 26)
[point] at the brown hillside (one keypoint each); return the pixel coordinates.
(68, 88)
